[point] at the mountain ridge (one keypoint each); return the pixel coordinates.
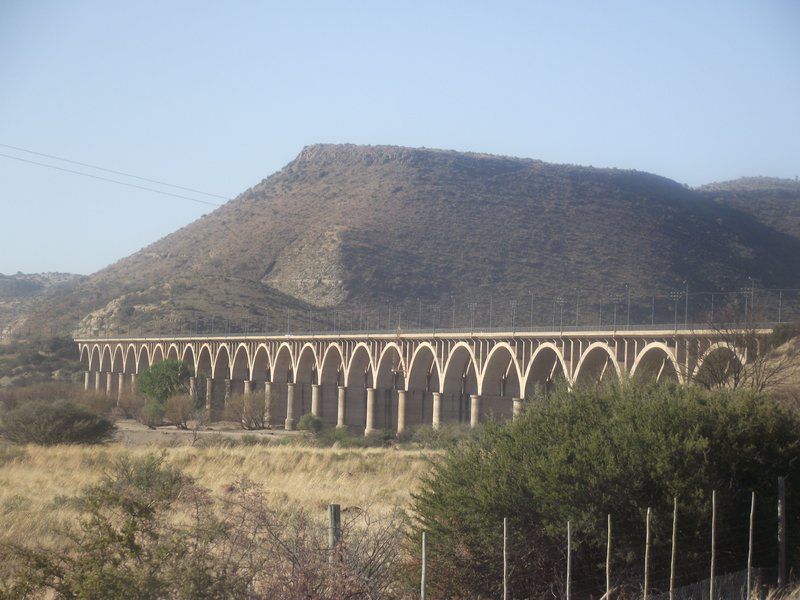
(346, 225)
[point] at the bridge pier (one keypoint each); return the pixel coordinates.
(248, 387)
(120, 386)
(316, 405)
(209, 395)
(517, 410)
(268, 404)
(370, 420)
(436, 421)
(86, 380)
(340, 416)
(290, 421)
(98, 381)
(401, 411)
(109, 384)
(474, 410)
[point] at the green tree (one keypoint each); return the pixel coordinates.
(583, 454)
(164, 379)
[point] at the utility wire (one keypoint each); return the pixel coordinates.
(82, 164)
(125, 183)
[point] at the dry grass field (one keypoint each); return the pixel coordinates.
(36, 483)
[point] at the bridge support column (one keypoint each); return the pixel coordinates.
(193, 387)
(133, 383)
(109, 384)
(315, 400)
(370, 424)
(474, 410)
(437, 410)
(248, 387)
(401, 411)
(120, 386)
(340, 407)
(87, 378)
(289, 424)
(517, 407)
(268, 404)
(227, 397)
(209, 395)
(98, 381)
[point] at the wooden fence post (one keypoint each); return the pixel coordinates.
(569, 560)
(505, 558)
(750, 544)
(608, 562)
(334, 529)
(674, 547)
(646, 553)
(713, 543)
(781, 532)
(424, 565)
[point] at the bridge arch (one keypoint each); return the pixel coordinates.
(500, 381)
(360, 370)
(546, 369)
(86, 355)
(222, 363)
(205, 362)
(260, 367)
(118, 359)
(172, 352)
(305, 371)
(330, 378)
(459, 382)
(130, 360)
(240, 369)
(390, 371)
(389, 379)
(105, 359)
(143, 360)
(593, 366)
(189, 359)
(656, 362)
(359, 376)
(422, 380)
(720, 366)
(158, 354)
(331, 370)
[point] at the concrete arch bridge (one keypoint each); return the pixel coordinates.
(396, 380)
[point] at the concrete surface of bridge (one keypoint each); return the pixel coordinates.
(398, 380)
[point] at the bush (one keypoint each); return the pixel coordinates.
(164, 379)
(179, 409)
(310, 422)
(131, 404)
(581, 455)
(59, 422)
(97, 402)
(148, 531)
(152, 414)
(247, 410)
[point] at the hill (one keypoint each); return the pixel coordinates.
(774, 202)
(18, 292)
(366, 228)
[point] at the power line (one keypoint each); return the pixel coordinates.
(125, 183)
(123, 173)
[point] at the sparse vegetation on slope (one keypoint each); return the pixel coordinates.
(344, 225)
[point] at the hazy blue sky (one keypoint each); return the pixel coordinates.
(217, 96)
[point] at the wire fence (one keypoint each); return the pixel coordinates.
(744, 560)
(575, 310)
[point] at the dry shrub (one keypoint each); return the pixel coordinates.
(96, 401)
(148, 531)
(130, 404)
(247, 410)
(179, 409)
